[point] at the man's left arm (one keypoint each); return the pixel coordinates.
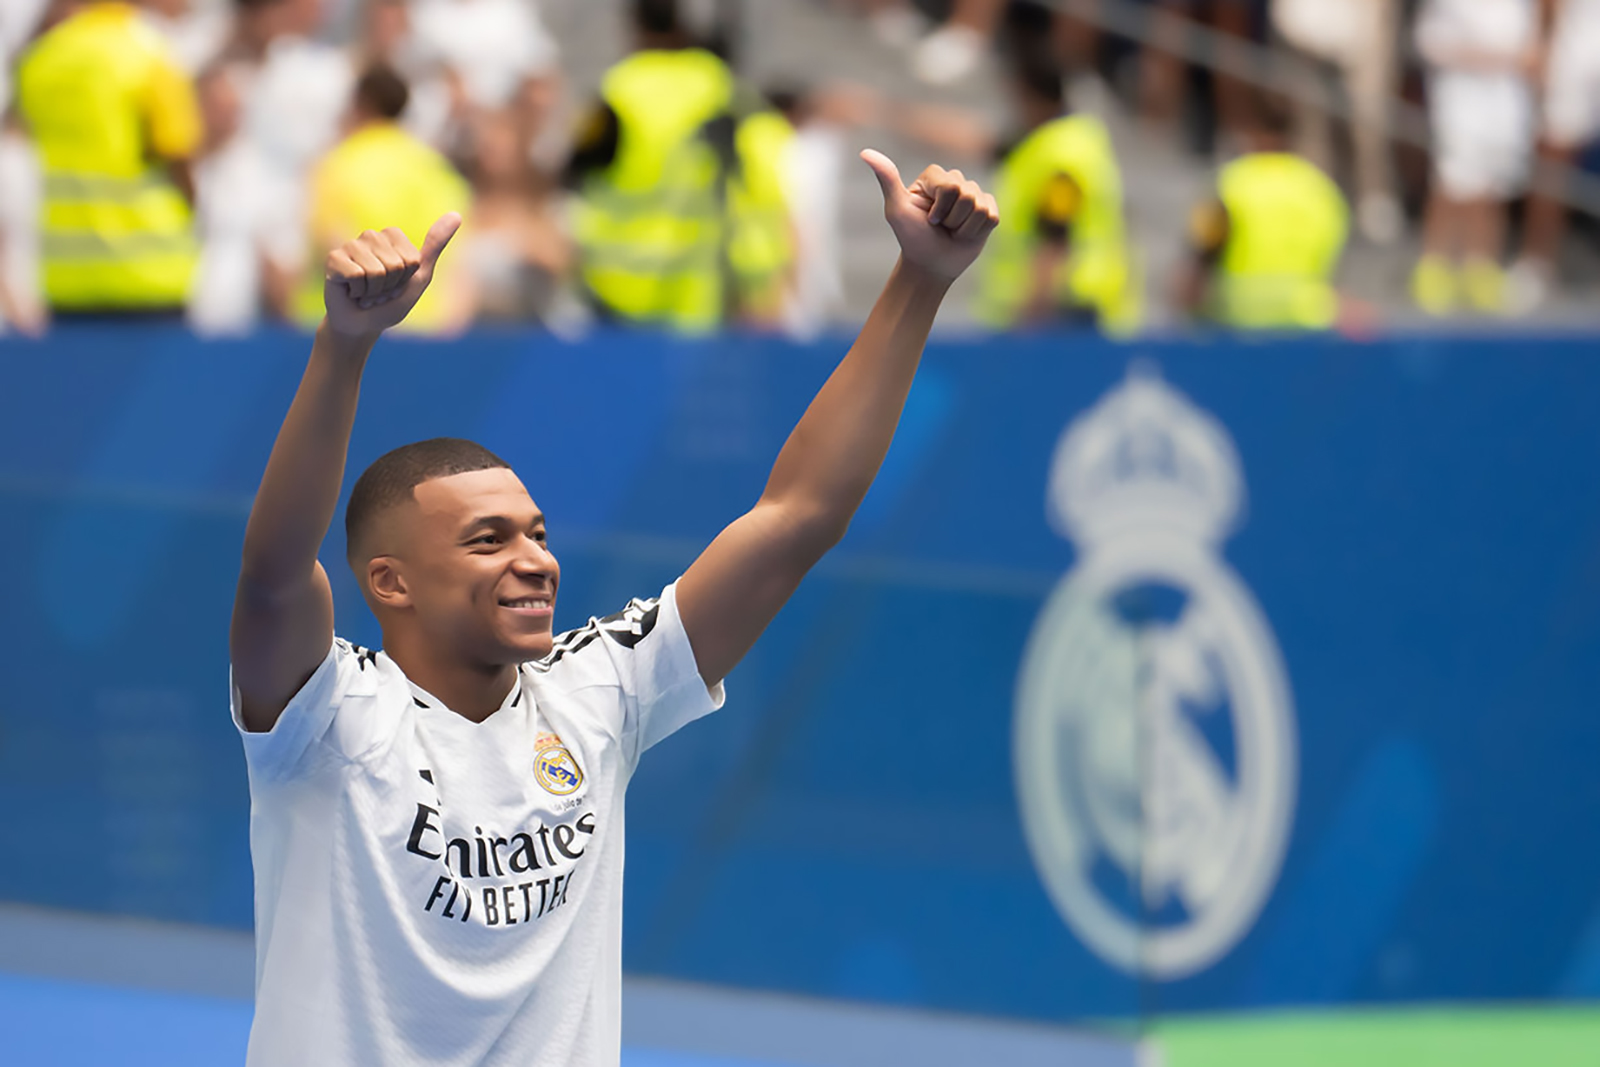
(172, 122)
(736, 587)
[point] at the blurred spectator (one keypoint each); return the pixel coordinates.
(760, 231)
(19, 21)
(1265, 252)
(195, 30)
(20, 308)
(1357, 39)
(379, 176)
(493, 54)
(389, 37)
(247, 240)
(293, 88)
(1571, 121)
(1061, 251)
(812, 172)
(516, 251)
(116, 153)
(655, 169)
(1165, 72)
(1480, 54)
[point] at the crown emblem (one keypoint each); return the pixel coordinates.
(1144, 458)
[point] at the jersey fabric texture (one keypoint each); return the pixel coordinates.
(107, 105)
(433, 890)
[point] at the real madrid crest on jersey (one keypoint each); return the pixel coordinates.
(554, 766)
(1154, 738)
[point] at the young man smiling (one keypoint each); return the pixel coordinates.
(437, 828)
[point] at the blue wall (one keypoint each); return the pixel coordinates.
(1422, 536)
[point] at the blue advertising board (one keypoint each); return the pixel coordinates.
(1176, 677)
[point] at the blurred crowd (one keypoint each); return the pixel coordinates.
(197, 158)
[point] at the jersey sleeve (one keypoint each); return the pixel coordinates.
(642, 650)
(333, 718)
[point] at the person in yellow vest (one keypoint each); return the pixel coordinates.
(380, 175)
(115, 125)
(1265, 251)
(680, 218)
(760, 228)
(1061, 252)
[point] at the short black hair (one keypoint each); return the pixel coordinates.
(393, 476)
(1273, 112)
(1037, 71)
(382, 92)
(656, 16)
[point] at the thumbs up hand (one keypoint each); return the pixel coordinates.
(372, 282)
(941, 220)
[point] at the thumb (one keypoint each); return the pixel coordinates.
(439, 235)
(887, 173)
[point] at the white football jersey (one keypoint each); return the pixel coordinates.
(433, 890)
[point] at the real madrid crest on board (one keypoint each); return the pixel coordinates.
(1154, 739)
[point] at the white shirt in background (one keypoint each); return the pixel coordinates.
(20, 193)
(814, 189)
(433, 890)
(242, 215)
(1503, 27)
(492, 45)
(18, 20)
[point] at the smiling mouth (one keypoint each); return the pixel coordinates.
(527, 603)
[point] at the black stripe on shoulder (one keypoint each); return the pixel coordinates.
(627, 628)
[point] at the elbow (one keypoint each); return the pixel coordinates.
(814, 530)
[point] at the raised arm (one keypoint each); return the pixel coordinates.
(283, 608)
(730, 594)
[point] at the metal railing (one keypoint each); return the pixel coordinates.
(1264, 67)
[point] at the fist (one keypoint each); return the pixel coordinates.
(941, 220)
(373, 281)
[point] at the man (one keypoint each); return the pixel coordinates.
(1480, 54)
(679, 218)
(418, 186)
(1061, 256)
(1265, 252)
(437, 828)
(1570, 123)
(115, 147)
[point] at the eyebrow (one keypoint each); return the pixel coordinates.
(499, 520)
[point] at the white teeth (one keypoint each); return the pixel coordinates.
(528, 602)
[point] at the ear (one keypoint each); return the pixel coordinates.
(386, 583)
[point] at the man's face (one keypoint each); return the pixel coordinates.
(473, 569)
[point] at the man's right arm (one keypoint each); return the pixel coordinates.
(283, 608)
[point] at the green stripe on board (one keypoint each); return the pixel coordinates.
(1472, 1037)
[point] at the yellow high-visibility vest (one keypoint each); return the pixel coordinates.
(1287, 227)
(649, 226)
(106, 106)
(760, 237)
(381, 176)
(1097, 272)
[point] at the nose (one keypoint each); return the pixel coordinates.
(534, 558)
